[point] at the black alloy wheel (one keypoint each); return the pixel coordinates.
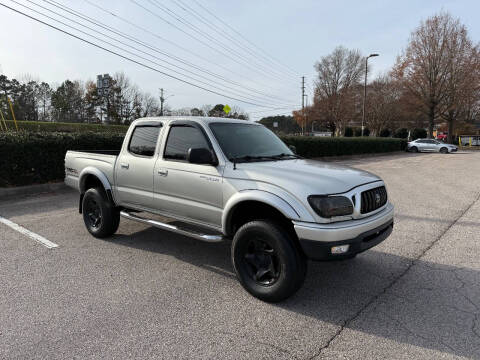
(93, 213)
(268, 260)
(100, 215)
(262, 262)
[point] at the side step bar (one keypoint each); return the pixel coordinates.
(172, 228)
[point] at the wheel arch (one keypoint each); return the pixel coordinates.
(93, 177)
(255, 204)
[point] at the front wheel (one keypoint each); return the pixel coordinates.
(99, 214)
(444, 150)
(267, 261)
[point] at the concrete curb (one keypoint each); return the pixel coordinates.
(359, 156)
(7, 193)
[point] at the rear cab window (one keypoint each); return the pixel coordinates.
(143, 140)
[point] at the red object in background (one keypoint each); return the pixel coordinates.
(442, 137)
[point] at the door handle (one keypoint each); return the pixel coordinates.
(125, 166)
(162, 172)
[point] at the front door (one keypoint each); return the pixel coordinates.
(134, 167)
(186, 190)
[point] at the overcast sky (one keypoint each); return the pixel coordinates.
(294, 33)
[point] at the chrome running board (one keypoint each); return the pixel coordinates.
(173, 228)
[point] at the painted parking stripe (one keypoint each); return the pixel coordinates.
(45, 242)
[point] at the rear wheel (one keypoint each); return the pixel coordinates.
(444, 150)
(267, 261)
(99, 214)
(414, 149)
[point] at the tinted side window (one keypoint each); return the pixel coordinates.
(144, 140)
(182, 138)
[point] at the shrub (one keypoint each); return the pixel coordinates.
(32, 158)
(312, 147)
(419, 134)
(358, 132)
(43, 126)
(401, 133)
(348, 132)
(385, 133)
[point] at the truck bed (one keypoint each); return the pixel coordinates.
(77, 161)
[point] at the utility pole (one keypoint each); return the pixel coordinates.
(303, 105)
(162, 100)
(365, 90)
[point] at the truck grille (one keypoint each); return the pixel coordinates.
(373, 199)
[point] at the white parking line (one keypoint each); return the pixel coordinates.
(45, 242)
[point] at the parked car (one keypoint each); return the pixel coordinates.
(223, 179)
(430, 145)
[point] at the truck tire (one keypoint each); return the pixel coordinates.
(99, 214)
(267, 261)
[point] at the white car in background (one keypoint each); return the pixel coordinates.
(430, 145)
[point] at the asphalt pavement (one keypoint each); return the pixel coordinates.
(147, 293)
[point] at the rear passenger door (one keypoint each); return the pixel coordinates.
(134, 167)
(185, 190)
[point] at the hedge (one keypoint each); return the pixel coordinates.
(43, 126)
(313, 147)
(34, 158)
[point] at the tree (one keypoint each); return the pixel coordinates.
(286, 124)
(217, 111)
(463, 82)
(427, 69)
(44, 96)
(68, 102)
(196, 112)
(383, 104)
(339, 75)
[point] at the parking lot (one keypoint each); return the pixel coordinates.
(147, 293)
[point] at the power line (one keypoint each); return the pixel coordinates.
(123, 43)
(216, 41)
(200, 40)
(243, 37)
(126, 57)
(215, 63)
(182, 5)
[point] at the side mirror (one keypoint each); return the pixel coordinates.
(201, 156)
(293, 148)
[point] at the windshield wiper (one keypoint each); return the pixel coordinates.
(284, 155)
(247, 158)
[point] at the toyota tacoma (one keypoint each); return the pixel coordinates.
(217, 179)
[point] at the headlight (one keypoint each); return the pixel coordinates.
(329, 206)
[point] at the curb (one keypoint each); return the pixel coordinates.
(359, 156)
(6, 193)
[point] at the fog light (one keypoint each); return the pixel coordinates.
(342, 249)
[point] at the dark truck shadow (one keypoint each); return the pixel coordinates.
(336, 291)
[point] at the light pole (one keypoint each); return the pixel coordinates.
(365, 90)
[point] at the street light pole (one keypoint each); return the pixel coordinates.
(365, 90)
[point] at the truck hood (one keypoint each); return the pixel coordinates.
(307, 177)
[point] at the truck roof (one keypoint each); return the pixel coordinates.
(201, 119)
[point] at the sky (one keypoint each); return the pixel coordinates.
(252, 54)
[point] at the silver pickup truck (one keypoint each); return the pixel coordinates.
(217, 179)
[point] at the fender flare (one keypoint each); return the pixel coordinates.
(262, 196)
(90, 170)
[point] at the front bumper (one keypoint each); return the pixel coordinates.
(317, 240)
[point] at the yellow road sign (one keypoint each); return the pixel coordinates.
(226, 109)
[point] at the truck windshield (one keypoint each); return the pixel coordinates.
(249, 142)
